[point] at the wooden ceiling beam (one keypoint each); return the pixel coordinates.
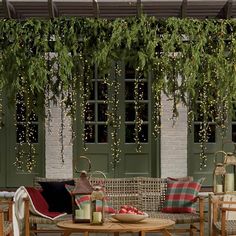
(8, 9)
(52, 9)
(183, 12)
(96, 10)
(226, 11)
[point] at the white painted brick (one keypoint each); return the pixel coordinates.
(54, 166)
(173, 141)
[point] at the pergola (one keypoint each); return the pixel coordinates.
(21, 9)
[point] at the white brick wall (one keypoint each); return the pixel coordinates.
(173, 141)
(53, 163)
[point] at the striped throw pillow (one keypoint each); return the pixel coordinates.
(180, 196)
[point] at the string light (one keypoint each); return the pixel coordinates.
(113, 118)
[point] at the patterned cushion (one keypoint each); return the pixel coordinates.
(180, 196)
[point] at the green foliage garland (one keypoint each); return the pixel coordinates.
(200, 52)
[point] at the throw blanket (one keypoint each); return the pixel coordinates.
(38, 206)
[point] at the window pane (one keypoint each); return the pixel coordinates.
(102, 112)
(92, 91)
(129, 90)
(129, 72)
(33, 117)
(102, 133)
(234, 133)
(234, 112)
(89, 133)
(102, 91)
(144, 111)
(199, 115)
(143, 135)
(33, 133)
(129, 134)
(20, 112)
(90, 112)
(143, 89)
(211, 133)
(20, 133)
(129, 112)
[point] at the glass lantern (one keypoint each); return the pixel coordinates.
(81, 200)
(219, 178)
(230, 165)
(97, 206)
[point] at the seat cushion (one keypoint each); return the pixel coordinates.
(178, 218)
(34, 219)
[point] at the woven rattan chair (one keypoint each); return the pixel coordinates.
(6, 225)
(220, 208)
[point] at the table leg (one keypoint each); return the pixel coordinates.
(141, 233)
(166, 232)
(115, 234)
(67, 233)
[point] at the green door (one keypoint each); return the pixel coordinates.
(22, 137)
(98, 134)
(215, 143)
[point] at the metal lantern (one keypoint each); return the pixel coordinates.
(81, 199)
(230, 164)
(97, 206)
(219, 178)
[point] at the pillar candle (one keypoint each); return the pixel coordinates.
(79, 214)
(229, 182)
(97, 217)
(219, 188)
(86, 208)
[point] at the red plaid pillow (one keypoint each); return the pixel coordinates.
(180, 196)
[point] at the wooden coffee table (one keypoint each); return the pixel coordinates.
(116, 227)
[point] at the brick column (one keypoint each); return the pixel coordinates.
(54, 167)
(173, 141)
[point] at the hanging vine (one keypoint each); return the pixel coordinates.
(204, 56)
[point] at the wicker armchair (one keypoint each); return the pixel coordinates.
(221, 223)
(6, 225)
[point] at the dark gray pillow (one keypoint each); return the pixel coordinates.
(56, 195)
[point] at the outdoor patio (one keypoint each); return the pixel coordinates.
(139, 93)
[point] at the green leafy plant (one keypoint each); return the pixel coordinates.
(201, 53)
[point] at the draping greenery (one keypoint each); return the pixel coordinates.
(191, 61)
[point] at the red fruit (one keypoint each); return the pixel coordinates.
(122, 211)
(130, 212)
(140, 213)
(135, 209)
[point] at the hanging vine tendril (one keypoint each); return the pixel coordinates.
(138, 96)
(24, 44)
(113, 119)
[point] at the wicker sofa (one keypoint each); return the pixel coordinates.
(145, 193)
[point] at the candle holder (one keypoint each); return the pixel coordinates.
(81, 199)
(219, 178)
(230, 164)
(97, 206)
